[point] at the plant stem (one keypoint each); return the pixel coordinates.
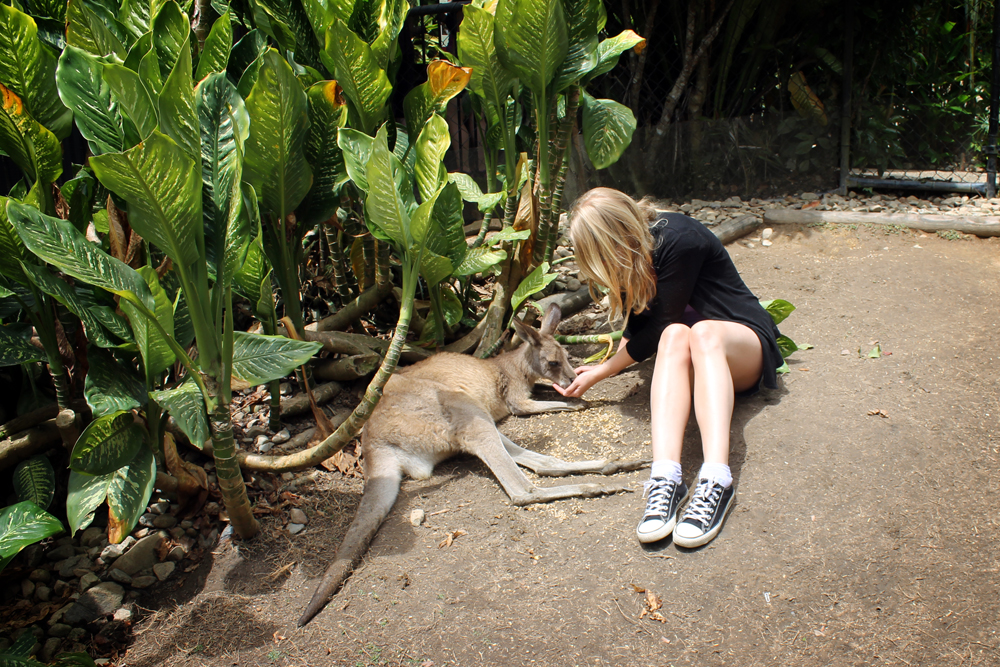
(593, 338)
(227, 470)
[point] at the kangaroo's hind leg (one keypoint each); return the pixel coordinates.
(550, 466)
(477, 434)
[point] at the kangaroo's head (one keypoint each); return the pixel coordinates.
(546, 358)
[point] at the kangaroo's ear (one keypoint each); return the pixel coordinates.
(551, 320)
(527, 333)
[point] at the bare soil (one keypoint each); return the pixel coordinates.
(865, 530)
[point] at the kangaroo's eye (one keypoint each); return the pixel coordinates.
(554, 364)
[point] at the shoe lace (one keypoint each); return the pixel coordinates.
(705, 497)
(658, 491)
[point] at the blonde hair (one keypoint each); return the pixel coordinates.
(614, 249)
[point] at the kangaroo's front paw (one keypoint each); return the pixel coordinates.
(617, 466)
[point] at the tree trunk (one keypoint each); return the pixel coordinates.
(227, 470)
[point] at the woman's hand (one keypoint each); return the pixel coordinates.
(586, 377)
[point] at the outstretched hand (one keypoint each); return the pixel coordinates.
(586, 377)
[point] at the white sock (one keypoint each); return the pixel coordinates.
(667, 469)
(717, 472)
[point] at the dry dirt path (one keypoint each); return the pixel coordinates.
(857, 538)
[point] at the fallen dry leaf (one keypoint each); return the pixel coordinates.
(653, 604)
(812, 204)
(277, 636)
(881, 413)
(450, 537)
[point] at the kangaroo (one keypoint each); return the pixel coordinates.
(449, 404)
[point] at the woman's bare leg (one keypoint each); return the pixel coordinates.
(670, 392)
(726, 357)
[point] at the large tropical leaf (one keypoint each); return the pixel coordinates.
(84, 90)
(162, 186)
(28, 68)
(258, 359)
(154, 346)
(478, 260)
(447, 236)
(385, 206)
(72, 299)
(111, 386)
(444, 81)
(128, 90)
(79, 193)
(35, 480)
(536, 281)
(327, 114)
(170, 30)
(33, 147)
(778, 309)
(357, 149)
(127, 491)
(59, 243)
(291, 18)
(366, 86)
(433, 142)
(187, 406)
(12, 250)
(87, 28)
(609, 50)
(390, 23)
(178, 118)
(16, 350)
(607, 130)
(532, 40)
(275, 161)
(476, 49)
(584, 19)
(471, 192)
(23, 524)
(107, 444)
(215, 55)
(135, 16)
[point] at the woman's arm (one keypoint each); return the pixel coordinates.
(588, 376)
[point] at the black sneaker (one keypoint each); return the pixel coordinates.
(665, 499)
(703, 517)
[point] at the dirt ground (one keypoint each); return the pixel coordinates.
(857, 538)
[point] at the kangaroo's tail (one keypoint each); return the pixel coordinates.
(379, 497)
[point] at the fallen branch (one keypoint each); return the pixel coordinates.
(39, 415)
(28, 443)
(980, 225)
(347, 369)
(350, 312)
(737, 228)
(299, 404)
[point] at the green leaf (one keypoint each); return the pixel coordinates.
(471, 192)
(258, 359)
(536, 281)
(111, 386)
(609, 50)
(128, 90)
(786, 346)
(509, 234)
(73, 300)
(135, 16)
(805, 346)
(60, 244)
(31, 146)
(83, 89)
(79, 193)
(444, 81)
(532, 40)
(28, 68)
(85, 494)
(12, 250)
(87, 29)
(432, 143)
(434, 268)
(15, 350)
(170, 31)
(275, 161)
(607, 130)
(163, 189)
(385, 206)
(327, 114)
(23, 524)
(187, 406)
(781, 370)
(478, 260)
(107, 444)
(583, 18)
(129, 491)
(447, 233)
(157, 354)
(390, 23)
(357, 149)
(178, 118)
(35, 481)
(22, 647)
(476, 49)
(215, 55)
(876, 352)
(366, 86)
(778, 309)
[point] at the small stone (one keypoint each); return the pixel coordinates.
(298, 516)
(123, 615)
(103, 598)
(66, 567)
(176, 532)
(59, 588)
(573, 284)
(265, 447)
(767, 233)
(187, 523)
(76, 634)
(40, 575)
(88, 580)
(43, 593)
(142, 556)
(159, 508)
(212, 508)
(91, 536)
(844, 353)
(112, 551)
(281, 436)
(165, 521)
(101, 662)
(147, 519)
(121, 577)
(144, 581)
(295, 528)
(809, 196)
(27, 588)
(32, 556)
(256, 433)
(765, 243)
(417, 517)
(77, 614)
(60, 630)
(49, 649)
(62, 553)
(164, 570)
(176, 554)
(285, 389)
(287, 476)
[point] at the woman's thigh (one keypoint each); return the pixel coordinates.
(738, 342)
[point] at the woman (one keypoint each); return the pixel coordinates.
(683, 299)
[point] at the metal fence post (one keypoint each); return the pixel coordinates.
(845, 110)
(991, 141)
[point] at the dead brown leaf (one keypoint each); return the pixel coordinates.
(880, 413)
(451, 537)
(653, 604)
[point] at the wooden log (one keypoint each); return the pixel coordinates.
(737, 228)
(347, 369)
(26, 421)
(26, 444)
(299, 404)
(980, 225)
(362, 305)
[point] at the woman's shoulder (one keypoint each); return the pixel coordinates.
(671, 228)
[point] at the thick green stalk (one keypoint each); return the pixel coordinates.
(592, 338)
(334, 238)
(435, 294)
(560, 151)
(352, 425)
(227, 470)
(274, 386)
(383, 274)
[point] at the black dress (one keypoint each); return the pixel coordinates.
(693, 269)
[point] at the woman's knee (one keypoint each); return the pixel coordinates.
(675, 342)
(706, 338)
